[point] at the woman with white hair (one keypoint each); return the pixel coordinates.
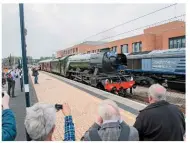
(160, 121)
(109, 126)
(40, 122)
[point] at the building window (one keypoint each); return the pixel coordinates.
(76, 49)
(183, 42)
(114, 48)
(137, 47)
(88, 52)
(177, 42)
(124, 48)
(73, 50)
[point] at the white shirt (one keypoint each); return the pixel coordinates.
(13, 75)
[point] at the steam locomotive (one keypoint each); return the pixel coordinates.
(96, 69)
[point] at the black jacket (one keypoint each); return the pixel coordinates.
(160, 121)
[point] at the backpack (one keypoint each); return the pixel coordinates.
(124, 135)
(9, 77)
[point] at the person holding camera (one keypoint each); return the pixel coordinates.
(8, 120)
(40, 122)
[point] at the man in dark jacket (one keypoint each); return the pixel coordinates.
(160, 121)
(8, 120)
(35, 74)
(11, 83)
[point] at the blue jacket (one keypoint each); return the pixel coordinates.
(8, 125)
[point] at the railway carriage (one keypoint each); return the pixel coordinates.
(55, 66)
(166, 67)
(45, 65)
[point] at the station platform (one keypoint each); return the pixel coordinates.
(83, 101)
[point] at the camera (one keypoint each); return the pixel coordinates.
(58, 107)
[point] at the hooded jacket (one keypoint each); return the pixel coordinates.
(8, 125)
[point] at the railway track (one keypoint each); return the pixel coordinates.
(144, 100)
(168, 89)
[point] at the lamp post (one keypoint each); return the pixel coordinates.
(23, 33)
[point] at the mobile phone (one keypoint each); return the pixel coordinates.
(58, 106)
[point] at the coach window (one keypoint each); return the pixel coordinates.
(124, 48)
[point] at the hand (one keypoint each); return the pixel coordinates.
(66, 109)
(5, 101)
(99, 120)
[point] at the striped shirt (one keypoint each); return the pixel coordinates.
(69, 129)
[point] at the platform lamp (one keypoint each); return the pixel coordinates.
(23, 33)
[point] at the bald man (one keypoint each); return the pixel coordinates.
(109, 126)
(160, 121)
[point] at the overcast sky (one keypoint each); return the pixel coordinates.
(52, 27)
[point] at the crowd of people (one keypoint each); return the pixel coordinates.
(159, 121)
(11, 77)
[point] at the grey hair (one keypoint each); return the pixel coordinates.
(109, 110)
(157, 92)
(40, 120)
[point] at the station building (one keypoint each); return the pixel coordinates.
(165, 36)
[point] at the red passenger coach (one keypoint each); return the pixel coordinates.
(45, 65)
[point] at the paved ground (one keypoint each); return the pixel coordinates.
(83, 106)
(18, 106)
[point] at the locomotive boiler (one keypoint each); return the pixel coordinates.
(103, 62)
